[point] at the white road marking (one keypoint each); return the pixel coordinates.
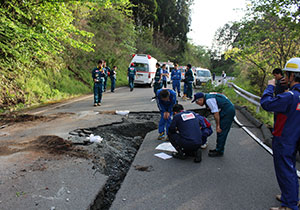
(260, 142)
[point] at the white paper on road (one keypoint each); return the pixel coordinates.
(166, 146)
(163, 155)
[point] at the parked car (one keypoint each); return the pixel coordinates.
(202, 77)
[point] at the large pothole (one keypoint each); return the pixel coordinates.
(114, 155)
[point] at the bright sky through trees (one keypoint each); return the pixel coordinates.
(208, 16)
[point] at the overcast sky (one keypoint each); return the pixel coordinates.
(209, 15)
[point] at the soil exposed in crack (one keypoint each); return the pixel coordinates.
(114, 155)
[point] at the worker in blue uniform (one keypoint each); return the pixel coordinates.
(131, 76)
(113, 77)
(185, 134)
(206, 129)
(188, 80)
(165, 75)
(165, 99)
(98, 78)
(286, 134)
(176, 78)
(223, 111)
(157, 79)
(106, 72)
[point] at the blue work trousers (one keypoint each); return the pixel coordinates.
(189, 90)
(131, 82)
(184, 88)
(164, 124)
(104, 85)
(176, 85)
(205, 134)
(156, 87)
(284, 157)
(113, 84)
(98, 88)
(226, 119)
(181, 144)
(164, 83)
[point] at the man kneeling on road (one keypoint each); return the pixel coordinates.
(185, 134)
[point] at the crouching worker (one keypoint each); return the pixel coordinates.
(185, 134)
(205, 129)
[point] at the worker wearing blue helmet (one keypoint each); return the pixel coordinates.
(286, 134)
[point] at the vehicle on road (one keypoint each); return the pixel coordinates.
(202, 77)
(145, 69)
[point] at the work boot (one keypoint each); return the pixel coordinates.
(215, 153)
(198, 156)
(280, 208)
(161, 136)
(179, 155)
(278, 197)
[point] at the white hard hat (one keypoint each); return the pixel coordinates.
(292, 65)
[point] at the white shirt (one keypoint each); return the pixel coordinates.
(212, 104)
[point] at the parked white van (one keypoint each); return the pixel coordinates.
(145, 66)
(202, 77)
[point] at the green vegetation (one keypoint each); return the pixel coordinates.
(265, 39)
(48, 48)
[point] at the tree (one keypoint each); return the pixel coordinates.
(267, 39)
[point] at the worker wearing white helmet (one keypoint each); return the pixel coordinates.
(286, 134)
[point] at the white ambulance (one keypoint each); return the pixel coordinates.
(145, 66)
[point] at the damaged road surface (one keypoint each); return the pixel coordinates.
(47, 161)
(72, 173)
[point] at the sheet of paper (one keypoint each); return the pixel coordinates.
(166, 146)
(163, 155)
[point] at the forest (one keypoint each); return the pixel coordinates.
(48, 48)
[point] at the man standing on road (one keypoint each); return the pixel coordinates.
(131, 76)
(224, 113)
(286, 134)
(188, 79)
(157, 79)
(176, 78)
(98, 77)
(279, 86)
(165, 99)
(165, 74)
(113, 77)
(185, 134)
(106, 70)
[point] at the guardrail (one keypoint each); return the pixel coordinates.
(245, 94)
